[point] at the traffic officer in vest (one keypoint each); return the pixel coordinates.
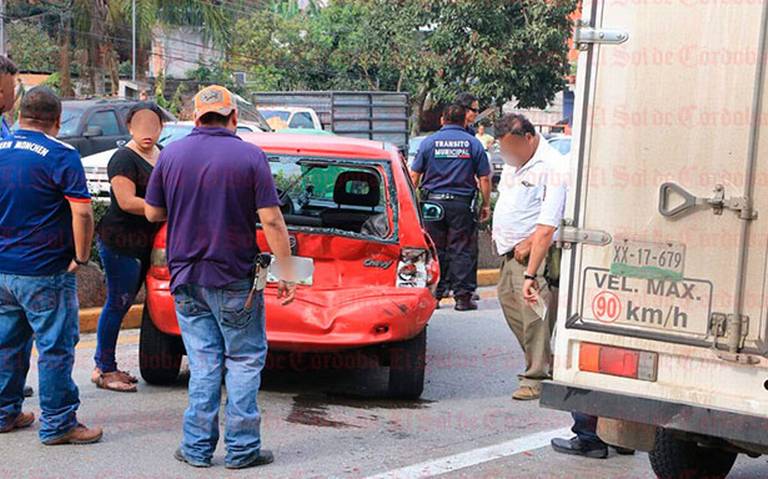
(448, 167)
(471, 109)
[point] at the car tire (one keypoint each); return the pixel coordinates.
(407, 360)
(675, 458)
(159, 353)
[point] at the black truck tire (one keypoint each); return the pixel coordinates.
(674, 458)
(407, 360)
(159, 353)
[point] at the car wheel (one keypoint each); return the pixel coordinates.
(675, 458)
(159, 353)
(407, 360)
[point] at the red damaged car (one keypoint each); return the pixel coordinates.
(350, 206)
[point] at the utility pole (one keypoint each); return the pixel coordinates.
(133, 40)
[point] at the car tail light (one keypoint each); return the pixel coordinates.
(412, 271)
(158, 264)
(628, 363)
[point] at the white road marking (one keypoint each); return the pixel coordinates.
(474, 457)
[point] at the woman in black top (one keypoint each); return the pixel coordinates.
(125, 239)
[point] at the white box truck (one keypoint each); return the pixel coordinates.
(663, 325)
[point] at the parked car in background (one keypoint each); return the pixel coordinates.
(282, 117)
(413, 147)
(96, 165)
(562, 143)
(306, 131)
(350, 207)
(497, 163)
(93, 126)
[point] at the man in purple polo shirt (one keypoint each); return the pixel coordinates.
(210, 186)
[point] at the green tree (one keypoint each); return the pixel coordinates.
(31, 48)
(432, 49)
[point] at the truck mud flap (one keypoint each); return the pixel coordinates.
(666, 414)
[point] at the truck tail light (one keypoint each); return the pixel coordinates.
(628, 363)
(158, 264)
(412, 270)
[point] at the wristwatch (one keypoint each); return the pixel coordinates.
(79, 263)
(529, 276)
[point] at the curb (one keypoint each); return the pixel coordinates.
(487, 277)
(89, 318)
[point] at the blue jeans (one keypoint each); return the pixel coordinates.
(47, 307)
(223, 340)
(585, 427)
(124, 278)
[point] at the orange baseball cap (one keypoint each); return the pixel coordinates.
(214, 99)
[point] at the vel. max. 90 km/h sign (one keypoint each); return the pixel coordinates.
(680, 306)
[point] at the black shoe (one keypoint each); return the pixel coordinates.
(179, 456)
(28, 391)
(263, 458)
(465, 303)
(577, 447)
(623, 451)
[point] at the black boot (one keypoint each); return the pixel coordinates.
(576, 447)
(465, 303)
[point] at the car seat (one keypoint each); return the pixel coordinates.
(344, 195)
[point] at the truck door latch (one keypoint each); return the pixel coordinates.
(587, 35)
(718, 202)
(734, 330)
(570, 235)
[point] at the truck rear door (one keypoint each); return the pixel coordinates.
(669, 116)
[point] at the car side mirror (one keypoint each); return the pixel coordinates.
(92, 131)
(432, 211)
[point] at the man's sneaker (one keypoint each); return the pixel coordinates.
(526, 393)
(465, 303)
(179, 456)
(77, 435)
(263, 458)
(24, 419)
(576, 447)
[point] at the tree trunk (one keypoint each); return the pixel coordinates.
(418, 109)
(111, 62)
(96, 52)
(66, 79)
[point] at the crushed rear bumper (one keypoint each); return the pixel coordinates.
(323, 320)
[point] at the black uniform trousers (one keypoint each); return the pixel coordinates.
(455, 238)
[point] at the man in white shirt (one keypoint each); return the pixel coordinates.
(527, 216)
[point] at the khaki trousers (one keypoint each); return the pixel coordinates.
(532, 332)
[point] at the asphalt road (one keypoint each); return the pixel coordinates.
(322, 423)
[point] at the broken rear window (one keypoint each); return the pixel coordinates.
(346, 196)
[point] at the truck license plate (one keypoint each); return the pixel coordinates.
(681, 307)
(643, 259)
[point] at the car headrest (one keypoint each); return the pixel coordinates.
(357, 188)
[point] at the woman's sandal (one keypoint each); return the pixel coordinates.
(113, 381)
(128, 377)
